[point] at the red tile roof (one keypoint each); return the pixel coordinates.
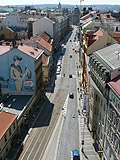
(98, 33)
(106, 16)
(115, 34)
(6, 120)
(4, 49)
(115, 85)
(86, 16)
(44, 44)
(46, 37)
(30, 50)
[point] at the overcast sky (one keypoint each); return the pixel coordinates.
(85, 2)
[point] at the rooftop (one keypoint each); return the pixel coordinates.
(4, 49)
(115, 85)
(16, 103)
(29, 50)
(109, 56)
(44, 44)
(46, 37)
(6, 119)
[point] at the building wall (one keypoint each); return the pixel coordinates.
(2, 22)
(14, 20)
(112, 130)
(46, 71)
(38, 74)
(8, 34)
(102, 42)
(43, 25)
(25, 82)
(7, 140)
(98, 107)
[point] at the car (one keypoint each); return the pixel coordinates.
(71, 95)
(58, 72)
(58, 68)
(70, 75)
(59, 63)
(70, 55)
(76, 155)
(70, 40)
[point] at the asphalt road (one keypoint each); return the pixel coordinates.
(70, 133)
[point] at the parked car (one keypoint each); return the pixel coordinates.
(70, 55)
(71, 95)
(58, 72)
(76, 155)
(70, 75)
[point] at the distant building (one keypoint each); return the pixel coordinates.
(2, 22)
(59, 5)
(42, 24)
(7, 34)
(30, 26)
(75, 15)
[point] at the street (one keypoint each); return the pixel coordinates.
(56, 131)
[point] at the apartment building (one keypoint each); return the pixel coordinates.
(104, 66)
(8, 130)
(111, 148)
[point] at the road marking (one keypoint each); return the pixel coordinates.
(64, 109)
(71, 155)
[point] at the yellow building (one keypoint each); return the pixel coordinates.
(96, 40)
(8, 128)
(7, 34)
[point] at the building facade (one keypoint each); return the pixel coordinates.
(104, 66)
(8, 129)
(23, 74)
(111, 149)
(95, 40)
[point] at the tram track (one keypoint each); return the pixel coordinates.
(40, 137)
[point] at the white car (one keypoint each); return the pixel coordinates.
(58, 72)
(59, 68)
(59, 63)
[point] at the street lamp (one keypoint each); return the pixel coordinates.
(80, 53)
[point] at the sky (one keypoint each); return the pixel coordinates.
(72, 2)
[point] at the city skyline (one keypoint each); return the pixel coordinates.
(70, 2)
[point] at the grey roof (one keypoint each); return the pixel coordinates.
(18, 105)
(109, 56)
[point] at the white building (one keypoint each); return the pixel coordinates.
(48, 26)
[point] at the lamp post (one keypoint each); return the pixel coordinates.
(80, 53)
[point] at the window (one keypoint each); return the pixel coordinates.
(104, 107)
(96, 97)
(9, 131)
(101, 102)
(14, 125)
(113, 99)
(6, 149)
(5, 138)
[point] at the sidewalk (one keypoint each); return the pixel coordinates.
(87, 150)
